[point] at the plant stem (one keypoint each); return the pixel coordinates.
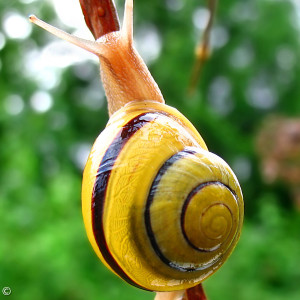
(202, 50)
(100, 16)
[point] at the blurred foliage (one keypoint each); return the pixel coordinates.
(254, 72)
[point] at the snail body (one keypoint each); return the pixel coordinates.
(160, 210)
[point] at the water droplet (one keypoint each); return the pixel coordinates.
(101, 11)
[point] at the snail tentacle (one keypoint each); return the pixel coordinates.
(90, 46)
(127, 29)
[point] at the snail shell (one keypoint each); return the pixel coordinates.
(160, 210)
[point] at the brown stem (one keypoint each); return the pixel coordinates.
(195, 293)
(100, 16)
(202, 49)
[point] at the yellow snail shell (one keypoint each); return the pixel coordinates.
(160, 211)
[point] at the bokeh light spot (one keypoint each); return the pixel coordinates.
(16, 26)
(241, 57)
(80, 153)
(14, 104)
(219, 36)
(285, 58)
(200, 18)
(148, 42)
(242, 168)
(2, 41)
(219, 95)
(41, 101)
(174, 5)
(261, 94)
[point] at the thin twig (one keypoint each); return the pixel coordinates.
(202, 51)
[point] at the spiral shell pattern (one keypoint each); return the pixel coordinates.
(160, 210)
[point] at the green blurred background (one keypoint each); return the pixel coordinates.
(52, 107)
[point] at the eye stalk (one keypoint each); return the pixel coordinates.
(124, 74)
(82, 43)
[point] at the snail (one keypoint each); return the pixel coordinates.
(160, 210)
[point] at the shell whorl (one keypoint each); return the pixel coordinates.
(205, 211)
(160, 210)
